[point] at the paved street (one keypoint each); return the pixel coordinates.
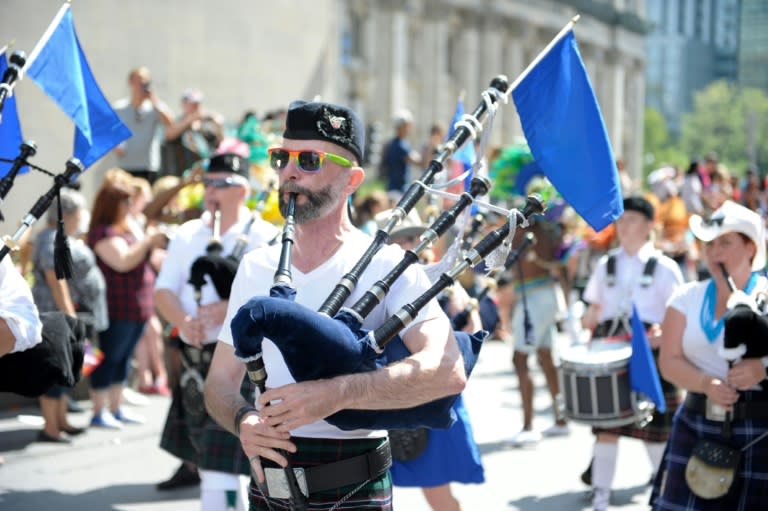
(116, 471)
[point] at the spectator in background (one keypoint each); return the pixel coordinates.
(429, 149)
(145, 115)
(83, 296)
(193, 136)
(124, 261)
(753, 197)
(692, 188)
(366, 209)
(398, 156)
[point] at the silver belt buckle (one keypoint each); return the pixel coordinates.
(277, 482)
(714, 411)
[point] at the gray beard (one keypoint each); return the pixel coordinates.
(317, 203)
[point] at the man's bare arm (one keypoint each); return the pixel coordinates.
(222, 386)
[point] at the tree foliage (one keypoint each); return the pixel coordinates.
(660, 149)
(730, 121)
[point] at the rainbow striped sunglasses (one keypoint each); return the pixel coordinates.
(306, 160)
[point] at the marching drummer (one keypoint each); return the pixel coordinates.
(634, 273)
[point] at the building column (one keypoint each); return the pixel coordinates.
(516, 43)
(491, 65)
(613, 105)
(633, 159)
(399, 56)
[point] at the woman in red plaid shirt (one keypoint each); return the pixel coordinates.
(124, 261)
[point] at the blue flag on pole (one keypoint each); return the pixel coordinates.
(566, 134)
(643, 375)
(10, 128)
(59, 67)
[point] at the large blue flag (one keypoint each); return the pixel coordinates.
(643, 375)
(565, 131)
(61, 70)
(10, 128)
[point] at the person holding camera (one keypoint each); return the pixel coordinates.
(194, 136)
(144, 114)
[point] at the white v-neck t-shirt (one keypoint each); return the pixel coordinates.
(255, 277)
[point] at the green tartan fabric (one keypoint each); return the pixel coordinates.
(375, 495)
(210, 447)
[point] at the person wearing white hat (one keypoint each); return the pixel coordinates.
(692, 347)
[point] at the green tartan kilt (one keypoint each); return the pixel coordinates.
(209, 446)
(375, 495)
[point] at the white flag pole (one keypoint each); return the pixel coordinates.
(567, 28)
(46, 36)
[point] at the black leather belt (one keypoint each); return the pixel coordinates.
(354, 470)
(697, 403)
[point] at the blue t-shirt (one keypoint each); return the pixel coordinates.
(395, 164)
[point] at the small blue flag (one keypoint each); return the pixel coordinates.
(465, 155)
(643, 375)
(10, 128)
(566, 134)
(61, 70)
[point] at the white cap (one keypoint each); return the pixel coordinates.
(732, 217)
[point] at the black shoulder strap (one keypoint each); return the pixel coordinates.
(610, 277)
(645, 280)
(650, 267)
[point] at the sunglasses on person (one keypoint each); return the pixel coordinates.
(222, 182)
(307, 160)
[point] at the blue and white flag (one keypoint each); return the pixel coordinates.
(10, 128)
(566, 134)
(59, 67)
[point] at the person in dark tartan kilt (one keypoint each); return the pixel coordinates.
(749, 490)
(343, 469)
(635, 274)
(693, 356)
(196, 305)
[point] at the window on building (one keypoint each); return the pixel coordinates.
(681, 16)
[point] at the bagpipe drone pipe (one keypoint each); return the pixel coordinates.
(316, 346)
(467, 130)
(460, 319)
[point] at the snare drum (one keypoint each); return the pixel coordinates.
(596, 388)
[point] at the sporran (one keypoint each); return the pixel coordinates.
(711, 469)
(408, 444)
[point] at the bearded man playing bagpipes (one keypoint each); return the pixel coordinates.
(318, 167)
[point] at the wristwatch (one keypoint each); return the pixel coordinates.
(765, 365)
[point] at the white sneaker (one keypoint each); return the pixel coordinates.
(132, 397)
(600, 499)
(526, 437)
(557, 430)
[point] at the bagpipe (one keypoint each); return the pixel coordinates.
(58, 358)
(26, 150)
(73, 169)
(219, 268)
(745, 329)
(340, 352)
(316, 346)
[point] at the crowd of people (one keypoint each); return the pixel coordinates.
(177, 241)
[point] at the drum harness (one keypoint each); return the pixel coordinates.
(620, 323)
